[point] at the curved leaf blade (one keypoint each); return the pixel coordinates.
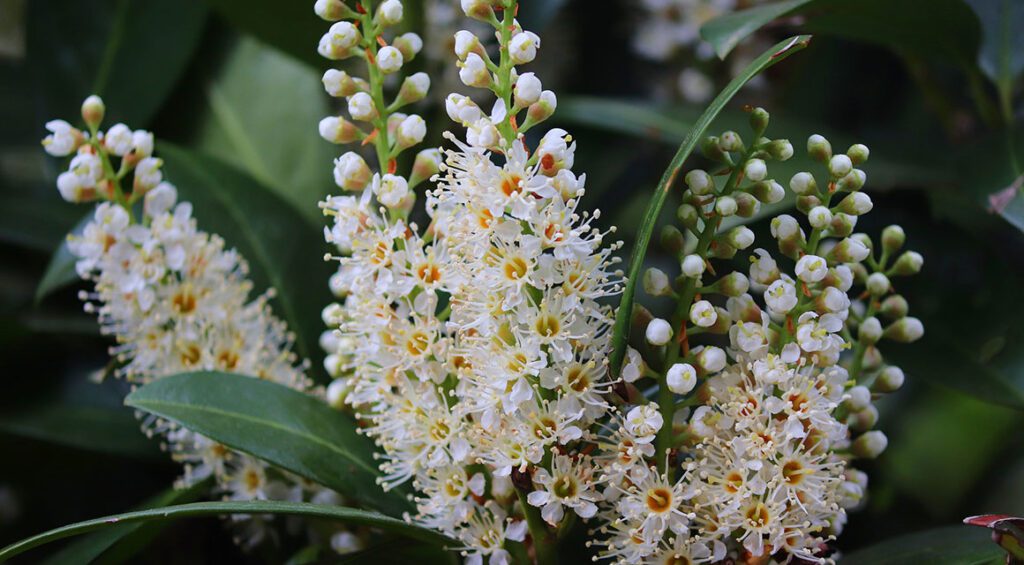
(955, 545)
(726, 32)
(770, 57)
(285, 427)
(202, 509)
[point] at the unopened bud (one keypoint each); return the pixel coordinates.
(819, 148)
(839, 166)
(878, 284)
(768, 191)
(856, 204)
(858, 398)
(656, 282)
(389, 13)
(755, 170)
(909, 263)
(467, 42)
(853, 181)
(336, 393)
(523, 47)
(688, 215)
(339, 130)
(849, 250)
(803, 184)
(351, 172)
(721, 250)
(542, 109)
(894, 307)
(693, 266)
(527, 90)
(426, 165)
(842, 224)
(780, 149)
(863, 420)
(820, 217)
(731, 142)
(725, 206)
(341, 84)
(409, 44)
(711, 148)
(889, 379)
(700, 182)
(411, 131)
(733, 284)
(870, 331)
(672, 240)
(658, 332)
(740, 237)
(93, 111)
(361, 107)
(905, 330)
(414, 88)
(858, 153)
(711, 359)
(340, 41)
(759, 118)
(893, 238)
(807, 203)
(478, 9)
(333, 10)
(747, 206)
(870, 445)
(681, 378)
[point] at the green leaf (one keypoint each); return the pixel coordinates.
(202, 509)
(1002, 44)
(955, 545)
(60, 271)
(123, 541)
(725, 33)
(290, 26)
(92, 428)
(35, 223)
(767, 59)
(273, 136)
(283, 250)
(285, 427)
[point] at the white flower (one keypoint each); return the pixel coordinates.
(147, 173)
(339, 40)
(703, 314)
(644, 421)
(811, 268)
(390, 189)
(569, 484)
(820, 217)
(523, 47)
(351, 172)
(118, 139)
(465, 43)
(658, 332)
(62, 139)
(681, 378)
(634, 366)
(473, 72)
(780, 296)
(389, 59)
(763, 268)
(819, 334)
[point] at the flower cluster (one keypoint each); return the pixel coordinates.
(763, 417)
(175, 298)
(475, 349)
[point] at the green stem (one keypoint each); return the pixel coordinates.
(504, 88)
(381, 143)
(544, 542)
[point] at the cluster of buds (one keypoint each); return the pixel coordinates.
(360, 32)
(765, 402)
(176, 299)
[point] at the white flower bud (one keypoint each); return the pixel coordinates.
(523, 47)
(336, 392)
(731, 141)
(361, 107)
(858, 153)
(820, 217)
(839, 166)
(333, 10)
(768, 191)
(659, 332)
(681, 378)
(755, 170)
(527, 90)
(853, 181)
(390, 13)
(142, 143)
(461, 109)
(351, 172)
(711, 359)
(870, 444)
(858, 398)
(870, 331)
(780, 149)
(878, 284)
(656, 282)
(390, 189)
(411, 131)
(819, 148)
(856, 204)
(414, 88)
(703, 314)
(159, 200)
(849, 250)
(148, 174)
(909, 263)
(339, 130)
(811, 268)
(699, 182)
(63, 138)
(726, 206)
(865, 419)
(893, 238)
(339, 41)
(389, 59)
(890, 379)
(803, 184)
(465, 43)
(733, 284)
(478, 9)
(409, 44)
(339, 83)
(904, 330)
(93, 111)
(118, 140)
(542, 109)
(693, 266)
(473, 72)
(740, 237)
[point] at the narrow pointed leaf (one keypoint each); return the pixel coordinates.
(203, 509)
(636, 262)
(285, 427)
(726, 32)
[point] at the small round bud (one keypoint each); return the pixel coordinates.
(542, 109)
(672, 240)
(909, 263)
(411, 131)
(725, 206)
(333, 10)
(390, 13)
(870, 445)
(755, 170)
(523, 47)
(658, 332)
(759, 120)
(803, 184)
(426, 165)
(336, 393)
(733, 284)
(681, 378)
(688, 215)
(811, 268)
(747, 206)
(768, 191)
(849, 250)
(700, 182)
(693, 266)
(889, 380)
(870, 331)
(858, 153)
(853, 181)
(893, 238)
(478, 9)
(527, 90)
(339, 41)
(391, 190)
(341, 84)
(904, 330)
(414, 88)
(863, 420)
(872, 358)
(740, 237)
(361, 107)
(473, 72)
(878, 284)
(465, 43)
(711, 359)
(894, 307)
(93, 111)
(339, 130)
(856, 204)
(409, 44)
(819, 148)
(839, 166)
(703, 314)
(351, 172)
(858, 398)
(711, 147)
(731, 142)
(780, 149)
(656, 282)
(820, 217)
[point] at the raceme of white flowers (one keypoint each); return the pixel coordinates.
(175, 299)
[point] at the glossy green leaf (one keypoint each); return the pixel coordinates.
(726, 32)
(290, 429)
(1002, 44)
(121, 542)
(273, 137)
(767, 59)
(955, 545)
(203, 509)
(87, 427)
(290, 26)
(283, 249)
